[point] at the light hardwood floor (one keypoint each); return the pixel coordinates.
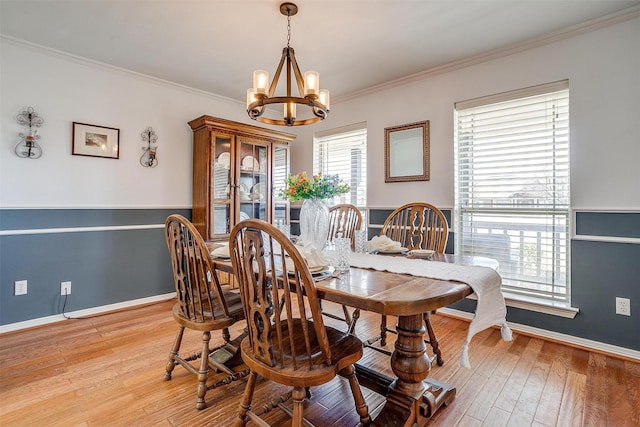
(108, 371)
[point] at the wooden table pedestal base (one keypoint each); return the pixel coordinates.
(412, 398)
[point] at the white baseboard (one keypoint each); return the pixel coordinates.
(597, 346)
(83, 313)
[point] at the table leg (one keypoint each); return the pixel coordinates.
(412, 398)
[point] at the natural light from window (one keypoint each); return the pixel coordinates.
(343, 152)
(512, 188)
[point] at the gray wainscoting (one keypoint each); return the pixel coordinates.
(109, 255)
(119, 265)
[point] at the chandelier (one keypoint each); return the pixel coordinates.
(310, 94)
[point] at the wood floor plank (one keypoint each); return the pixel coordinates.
(619, 407)
(483, 403)
(596, 393)
(525, 408)
(572, 404)
(457, 410)
(510, 393)
(633, 390)
(549, 403)
(496, 418)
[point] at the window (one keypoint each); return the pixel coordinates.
(512, 188)
(343, 152)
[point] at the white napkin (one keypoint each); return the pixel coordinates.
(221, 252)
(314, 257)
(383, 243)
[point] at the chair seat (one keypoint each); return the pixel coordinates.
(345, 350)
(218, 321)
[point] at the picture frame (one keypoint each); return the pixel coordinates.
(95, 141)
(406, 152)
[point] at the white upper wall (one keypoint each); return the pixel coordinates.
(64, 90)
(603, 68)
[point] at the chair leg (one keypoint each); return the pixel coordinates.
(383, 331)
(203, 372)
(354, 319)
(171, 363)
(347, 316)
(226, 335)
(298, 396)
(433, 341)
(247, 397)
(361, 406)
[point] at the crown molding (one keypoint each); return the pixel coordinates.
(111, 68)
(543, 40)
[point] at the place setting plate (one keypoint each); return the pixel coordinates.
(314, 270)
(392, 251)
(422, 253)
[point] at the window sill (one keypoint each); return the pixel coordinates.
(537, 305)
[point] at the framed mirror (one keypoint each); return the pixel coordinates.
(406, 152)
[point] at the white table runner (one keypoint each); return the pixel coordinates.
(485, 282)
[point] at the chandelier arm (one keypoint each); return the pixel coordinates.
(297, 73)
(288, 72)
(284, 123)
(276, 76)
(282, 100)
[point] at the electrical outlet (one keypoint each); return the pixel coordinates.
(65, 288)
(623, 306)
(20, 287)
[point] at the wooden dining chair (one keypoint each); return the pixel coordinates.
(416, 225)
(344, 220)
(202, 306)
(288, 342)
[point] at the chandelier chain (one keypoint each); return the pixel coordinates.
(288, 27)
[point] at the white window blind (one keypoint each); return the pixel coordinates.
(512, 187)
(343, 152)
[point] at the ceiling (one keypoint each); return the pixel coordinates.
(355, 45)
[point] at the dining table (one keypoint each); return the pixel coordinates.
(411, 397)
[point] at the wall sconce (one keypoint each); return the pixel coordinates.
(28, 146)
(148, 158)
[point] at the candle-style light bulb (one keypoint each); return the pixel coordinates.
(260, 82)
(324, 98)
(251, 97)
(311, 83)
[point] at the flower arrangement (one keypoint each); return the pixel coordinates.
(301, 187)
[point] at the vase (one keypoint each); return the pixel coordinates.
(314, 223)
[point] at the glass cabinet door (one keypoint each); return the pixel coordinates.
(221, 185)
(252, 182)
(280, 174)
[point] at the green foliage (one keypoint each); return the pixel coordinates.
(301, 187)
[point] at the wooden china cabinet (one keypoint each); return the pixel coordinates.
(238, 173)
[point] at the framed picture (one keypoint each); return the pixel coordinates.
(95, 141)
(406, 152)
